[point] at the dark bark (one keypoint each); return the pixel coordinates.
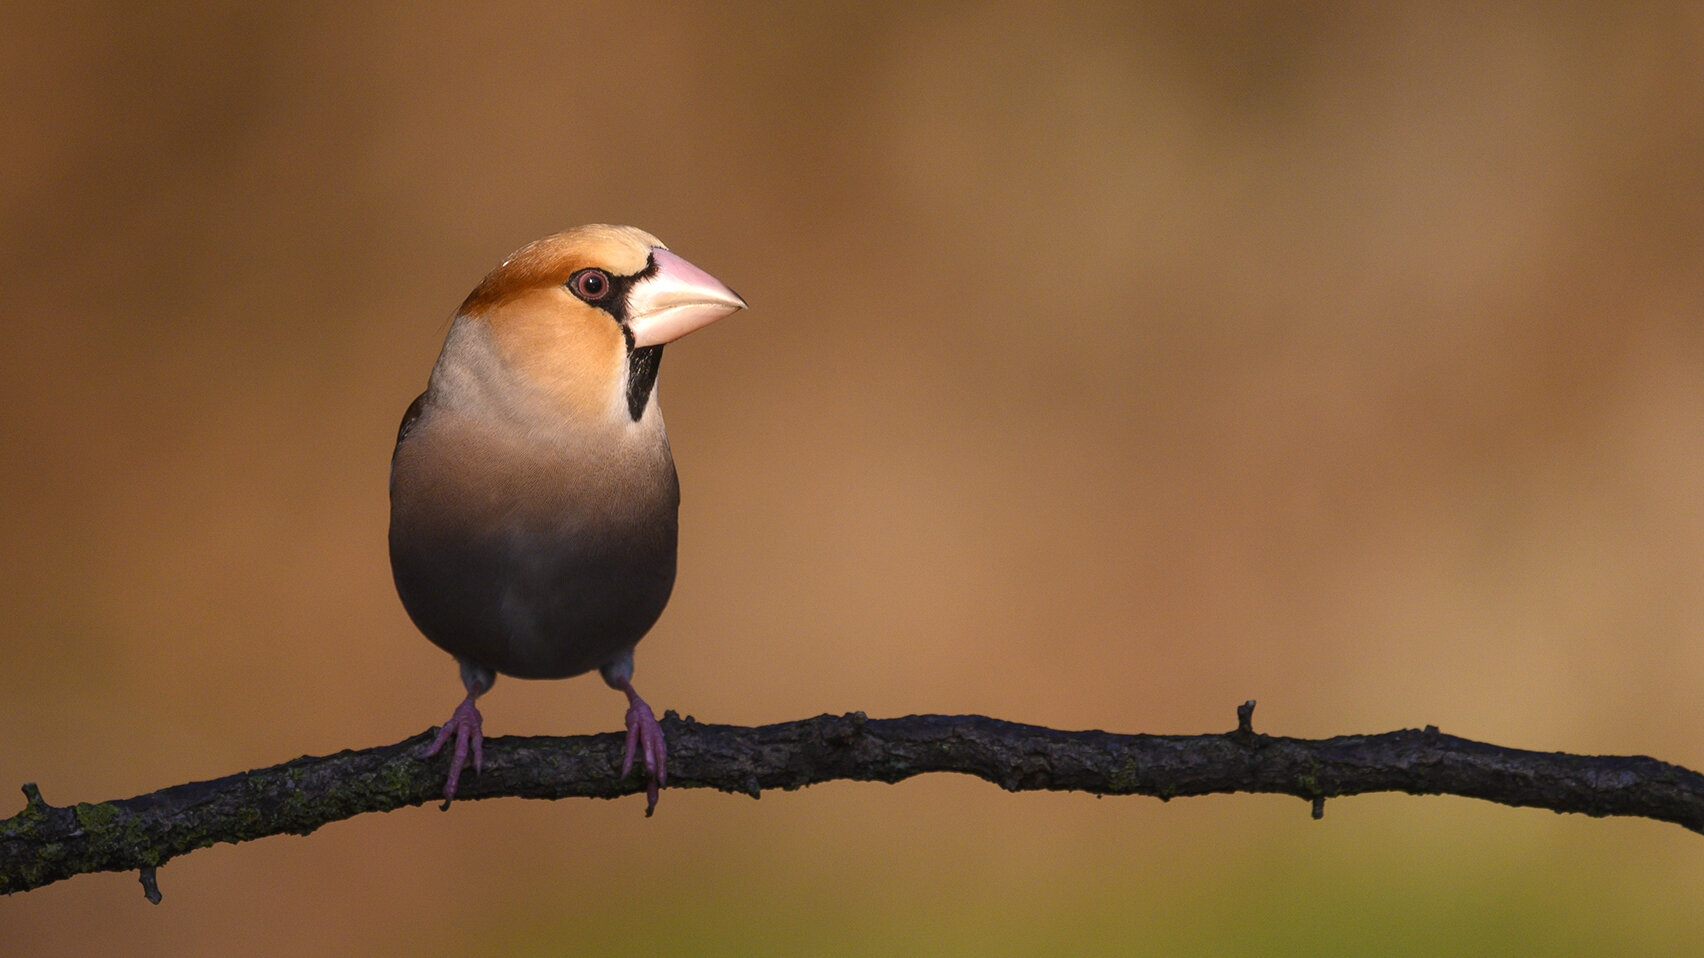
(44, 843)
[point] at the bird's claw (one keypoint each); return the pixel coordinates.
(465, 725)
(645, 738)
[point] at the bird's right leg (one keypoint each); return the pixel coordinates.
(464, 724)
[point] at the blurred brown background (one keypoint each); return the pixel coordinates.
(1105, 368)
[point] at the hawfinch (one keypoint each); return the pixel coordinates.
(533, 496)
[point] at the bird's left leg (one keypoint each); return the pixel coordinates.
(644, 735)
(466, 725)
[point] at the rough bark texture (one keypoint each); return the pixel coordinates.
(44, 843)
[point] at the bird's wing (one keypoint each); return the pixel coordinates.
(408, 419)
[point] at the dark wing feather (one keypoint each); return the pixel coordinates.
(408, 420)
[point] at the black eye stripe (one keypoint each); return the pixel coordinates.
(614, 298)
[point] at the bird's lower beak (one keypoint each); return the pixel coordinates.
(675, 300)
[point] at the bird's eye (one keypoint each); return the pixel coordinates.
(590, 285)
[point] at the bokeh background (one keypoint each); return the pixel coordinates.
(1107, 366)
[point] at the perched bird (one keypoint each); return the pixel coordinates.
(533, 495)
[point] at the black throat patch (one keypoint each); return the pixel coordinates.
(642, 364)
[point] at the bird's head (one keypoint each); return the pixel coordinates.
(583, 315)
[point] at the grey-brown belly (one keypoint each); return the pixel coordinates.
(536, 599)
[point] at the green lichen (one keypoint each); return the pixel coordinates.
(95, 818)
(1126, 778)
(396, 778)
(1307, 785)
(109, 828)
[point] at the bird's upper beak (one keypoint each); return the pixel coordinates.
(675, 300)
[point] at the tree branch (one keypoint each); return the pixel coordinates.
(44, 844)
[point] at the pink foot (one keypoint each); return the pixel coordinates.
(645, 737)
(465, 725)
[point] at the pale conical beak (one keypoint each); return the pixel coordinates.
(675, 300)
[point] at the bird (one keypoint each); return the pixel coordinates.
(534, 498)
